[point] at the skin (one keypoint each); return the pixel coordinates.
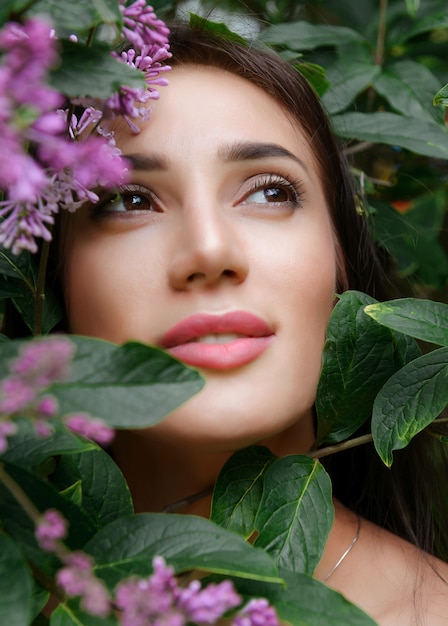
(210, 240)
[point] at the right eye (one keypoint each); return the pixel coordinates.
(127, 199)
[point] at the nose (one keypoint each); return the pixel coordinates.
(208, 250)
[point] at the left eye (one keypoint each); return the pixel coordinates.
(270, 194)
(274, 189)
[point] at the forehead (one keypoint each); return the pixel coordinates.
(204, 107)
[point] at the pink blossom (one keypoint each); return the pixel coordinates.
(15, 395)
(51, 528)
(44, 361)
(77, 579)
(92, 428)
(257, 612)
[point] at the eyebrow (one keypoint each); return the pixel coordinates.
(246, 151)
(239, 151)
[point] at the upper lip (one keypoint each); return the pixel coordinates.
(200, 324)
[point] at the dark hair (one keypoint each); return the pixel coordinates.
(408, 499)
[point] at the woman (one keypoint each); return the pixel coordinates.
(227, 249)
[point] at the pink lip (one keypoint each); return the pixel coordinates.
(179, 340)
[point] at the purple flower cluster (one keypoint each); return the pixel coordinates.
(160, 601)
(50, 529)
(55, 162)
(41, 363)
(92, 428)
(76, 578)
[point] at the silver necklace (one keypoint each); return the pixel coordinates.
(347, 552)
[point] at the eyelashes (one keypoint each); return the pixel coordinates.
(260, 190)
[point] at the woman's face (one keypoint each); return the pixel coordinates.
(221, 250)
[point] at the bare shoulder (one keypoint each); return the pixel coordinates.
(394, 582)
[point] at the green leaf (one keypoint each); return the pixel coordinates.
(315, 75)
(432, 21)
(239, 488)
(414, 134)
(127, 546)
(409, 87)
(16, 585)
(296, 513)
(441, 97)
(105, 495)
(92, 72)
(80, 17)
(73, 493)
(216, 28)
(129, 386)
(305, 36)
(348, 77)
(358, 358)
(409, 401)
(423, 319)
(304, 601)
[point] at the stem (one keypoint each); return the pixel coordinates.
(345, 445)
(381, 37)
(19, 495)
(39, 296)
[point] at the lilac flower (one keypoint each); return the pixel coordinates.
(128, 101)
(51, 528)
(207, 605)
(44, 362)
(77, 579)
(92, 428)
(257, 612)
(159, 600)
(141, 25)
(7, 428)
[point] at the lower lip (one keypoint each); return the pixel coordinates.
(222, 356)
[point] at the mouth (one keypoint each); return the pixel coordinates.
(218, 342)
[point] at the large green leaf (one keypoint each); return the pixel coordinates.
(409, 401)
(409, 87)
(359, 356)
(129, 386)
(92, 72)
(127, 546)
(348, 77)
(105, 494)
(435, 19)
(304, 601)
(296, 513)
(423, 319)
(16, 585)
(239, 488)
(305, 36)
(414, 134)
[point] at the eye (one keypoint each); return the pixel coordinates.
(274, 189)
(127, 199)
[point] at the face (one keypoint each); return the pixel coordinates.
(221, 250)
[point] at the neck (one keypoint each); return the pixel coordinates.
(160, 473)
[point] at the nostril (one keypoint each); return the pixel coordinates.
(195, 276)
